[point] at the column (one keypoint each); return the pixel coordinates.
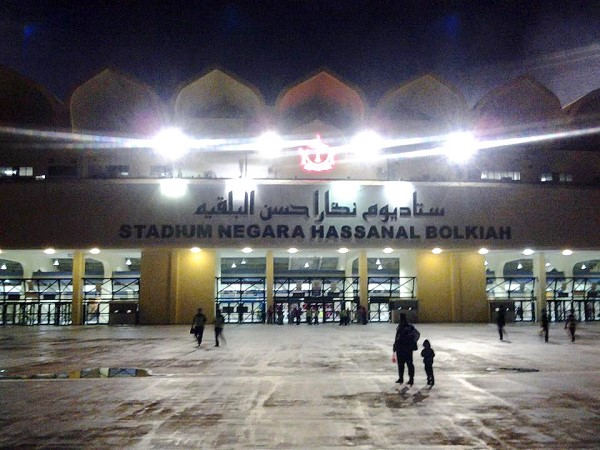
(539, 272)
(363, 279)
(78, 274)
(269, 277)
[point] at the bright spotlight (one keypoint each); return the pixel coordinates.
(528, 252)
(195, 249)
(270, 144)
(247, 250)
(94, 251)
(343, 250)
(49, 251)
(366, 143)
(436, 251)
(459, 147)
(173, 187)
(388, 250)
(567, 252)
(483, 251)
(171, 143)
(292, 250)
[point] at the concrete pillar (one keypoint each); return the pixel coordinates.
(539, 272)
(269, 277)
(78, 274)
(155, 287)
(363, 278)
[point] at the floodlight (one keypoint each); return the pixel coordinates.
(171, 143)
(270, 144)
(460, 146)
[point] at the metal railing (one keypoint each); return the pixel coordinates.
(241, 299)
(110, 300)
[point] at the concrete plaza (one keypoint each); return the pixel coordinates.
(303, 387)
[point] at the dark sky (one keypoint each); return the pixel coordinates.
(373, 44)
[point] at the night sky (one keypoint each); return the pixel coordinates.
(374, 45)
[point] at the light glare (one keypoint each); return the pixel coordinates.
(171, 143)
(173, 187)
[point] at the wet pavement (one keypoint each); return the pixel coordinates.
(289, 386)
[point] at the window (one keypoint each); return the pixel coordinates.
(117, 171)
(501, 175)
(557, 177)
(161, 171)
(13, 172)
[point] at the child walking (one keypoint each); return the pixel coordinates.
(428, 354)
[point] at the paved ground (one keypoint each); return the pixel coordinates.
(298, 387)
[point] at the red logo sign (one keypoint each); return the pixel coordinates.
(317, 157)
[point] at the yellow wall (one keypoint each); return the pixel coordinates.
(155, 295)
(175, 283)
(195, 284)
(451, 287)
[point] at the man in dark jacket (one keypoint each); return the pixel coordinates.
(405, 344)
(198, 325)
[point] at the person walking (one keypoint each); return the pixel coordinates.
(428, 354)
(405, 343)
(219, 324)
(501, 322)
(198, 325)
(570, 325)
(309, 315)
(545, 324)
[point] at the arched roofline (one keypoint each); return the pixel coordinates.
(60, 109)
(389, 94)
(215, 67)
(352, 87)
(499, 91)
(572, 109)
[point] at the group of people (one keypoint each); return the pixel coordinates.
(199, 322)
(570, 324)
(405, 343)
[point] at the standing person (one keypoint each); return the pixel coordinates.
(570, 325)
(309, 315)
(545, 324)
(428, 354)
(316, 315)
(405, 343)
(219, 323)
(198, 325)
(279, 314)
(501, 322)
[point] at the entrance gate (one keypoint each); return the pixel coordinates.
(241, 299)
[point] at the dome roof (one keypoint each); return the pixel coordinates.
(426, 104)
(218, 102)
(26, 103)
(321, 97)
(114, 102)
(522, 103)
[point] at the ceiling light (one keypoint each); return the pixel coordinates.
(567, 252)
(94, 251)
(343, 250)
(128, 262)
(292, 250)
(246, 250)
(3, 267)
(195, 249)
(519, 266)
(243, 261)
(436, 251)
(306, 265)
(50, 251)
(388, 250)
(55, 263)
(485, 263)
(379, 267)
(233, 266)
(548, 264)
(483, 251)
(583, 267)
(528, 252)
(378, 262)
